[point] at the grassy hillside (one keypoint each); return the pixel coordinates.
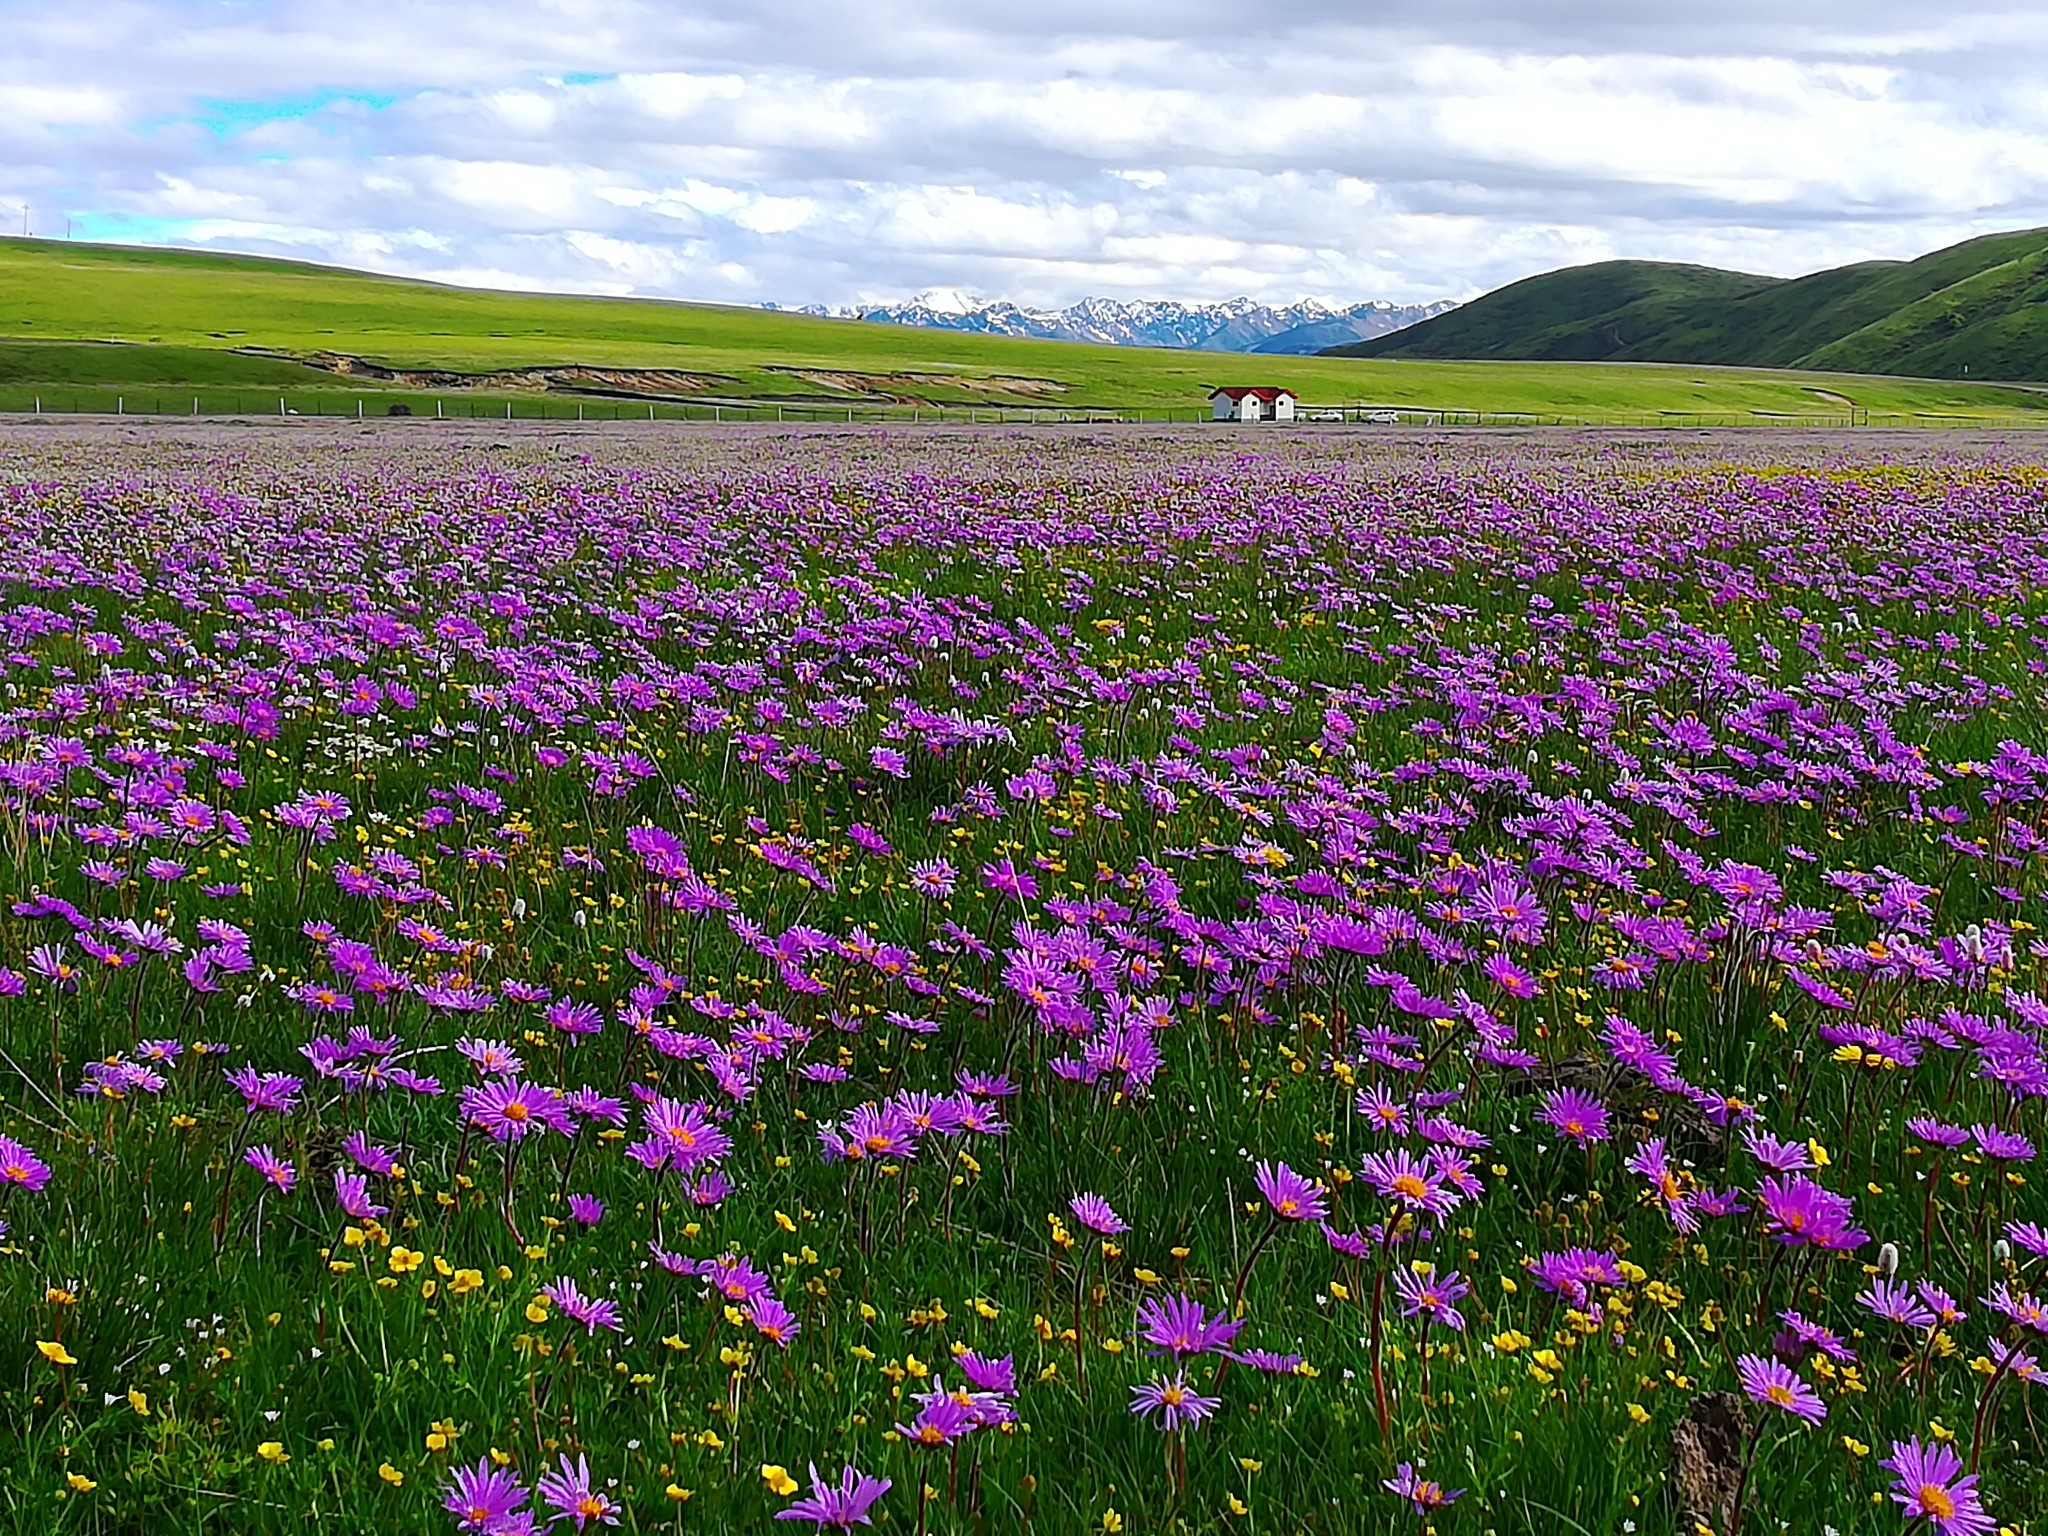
(81, 318)
(1978, 309)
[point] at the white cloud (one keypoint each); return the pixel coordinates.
(818, 149)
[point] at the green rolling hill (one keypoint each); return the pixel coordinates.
(86, 326)
(1977, 310)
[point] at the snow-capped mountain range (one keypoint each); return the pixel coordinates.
(1235, 325)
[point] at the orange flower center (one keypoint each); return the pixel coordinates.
(1936, 1501)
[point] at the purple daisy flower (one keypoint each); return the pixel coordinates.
(840, 1506)
(1424, 1293)
(1178, 1325)
(1575, 1116)
(1773, 1382)
(1929, 1488)
(21, 1168)
(1173, 1400)
(280, 1174)
(1292, 1197)
(483, 1498)
(1425, 1494)
(941, 1419)
(2003, 1145)
(570, 1494)
(1094, 1213)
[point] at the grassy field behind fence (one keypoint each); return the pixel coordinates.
(105, 329)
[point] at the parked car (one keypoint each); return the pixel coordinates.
(1322, 415)
(1383, 418)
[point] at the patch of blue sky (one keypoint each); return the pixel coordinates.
(132, 229)
(585, 77)
(225, 117)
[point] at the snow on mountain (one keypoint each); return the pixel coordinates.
(1235, 325)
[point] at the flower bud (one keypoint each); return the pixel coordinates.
(1888, 1260)
(2002, 1251)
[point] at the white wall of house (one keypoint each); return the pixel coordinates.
(1249, 407)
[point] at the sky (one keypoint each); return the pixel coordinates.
(847, 151)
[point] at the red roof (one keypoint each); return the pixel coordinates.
(1262, 391)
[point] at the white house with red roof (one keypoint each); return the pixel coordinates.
(1247, 402)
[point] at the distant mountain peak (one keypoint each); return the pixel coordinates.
(1241, 324)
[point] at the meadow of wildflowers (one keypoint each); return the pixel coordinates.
(987, 983)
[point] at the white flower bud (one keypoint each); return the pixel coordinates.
(2002, 1251)
(1888, 1260)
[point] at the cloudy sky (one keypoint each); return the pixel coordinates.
(1039, 150)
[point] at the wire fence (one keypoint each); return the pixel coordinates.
(157, 404)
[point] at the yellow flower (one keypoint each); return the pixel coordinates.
(139, 1401)
(80, 1483)
(390, 1474)
(465, 1281)
(676, 1493)
(1112, 1522)
(1639, 1413)
(1854, 1446)
(404, 1261)
(55, 1353)
(1237, 1506)
(273, 1452)
(778, 1480)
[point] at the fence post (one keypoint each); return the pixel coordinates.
(195, 405)
(120, 406)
